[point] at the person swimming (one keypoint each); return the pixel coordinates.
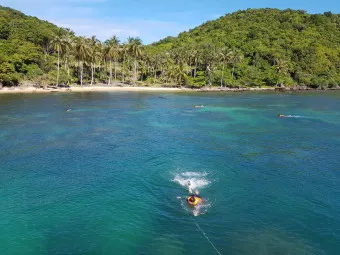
(281, 116)
(194, 200)
(199, 106)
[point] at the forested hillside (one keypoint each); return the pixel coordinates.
(263, 47)
(24, 46)
(256, 47)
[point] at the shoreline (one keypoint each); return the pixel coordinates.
(13, 90)
(96, 88)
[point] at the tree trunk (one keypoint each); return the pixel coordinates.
(92, 71)
(222, 75)
(115, 70)
(195, 70)
(81, 73)
(166, 76)
(123, 66)
(109, 83)
(232, 72)
(135, 69)
(78, 71)
(162, 74)
(58, 68)
(136, 72)
(209, 75)
(68, 75)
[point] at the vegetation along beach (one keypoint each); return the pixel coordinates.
(175, 128)
(246, 49)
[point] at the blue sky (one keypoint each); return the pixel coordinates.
(151, 20)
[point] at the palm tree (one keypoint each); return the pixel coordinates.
(61, 45)
(95, 54)
(235, 57)
(67, 49)
(179, 55)
(164, 65)
(47, 46)
(167, 64)
(172, 71)
(143, 69)
(56, 44)
(112, 53)
(181, 74)
(209, 57)
(225, 56)
(123, 52)
(82, 53)
(282, 68)
(195, 56)
(135, 48)
(157, 64)
(148, 60)
(222, 56)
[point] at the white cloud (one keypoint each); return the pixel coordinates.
(148, 30)
(101, 28)
(84, 18)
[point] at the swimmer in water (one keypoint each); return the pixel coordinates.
(189, 184)
(281, 116)
(194, 200)
(68, 110)
(199, 106)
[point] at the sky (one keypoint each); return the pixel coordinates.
(150, 20)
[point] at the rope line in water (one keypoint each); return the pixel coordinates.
(206, 237)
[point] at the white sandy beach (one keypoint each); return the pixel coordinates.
(7, 90)
(103, 88)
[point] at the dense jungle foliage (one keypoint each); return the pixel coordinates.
(256, 47)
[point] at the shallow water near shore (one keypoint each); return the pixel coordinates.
(111, 176)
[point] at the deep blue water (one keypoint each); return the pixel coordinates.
(110, 176)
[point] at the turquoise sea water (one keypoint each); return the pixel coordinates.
(111, 176)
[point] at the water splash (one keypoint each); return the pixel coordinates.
(198, 209)
(194, 182)
(293, 116)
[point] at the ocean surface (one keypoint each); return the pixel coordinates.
(111, 175)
